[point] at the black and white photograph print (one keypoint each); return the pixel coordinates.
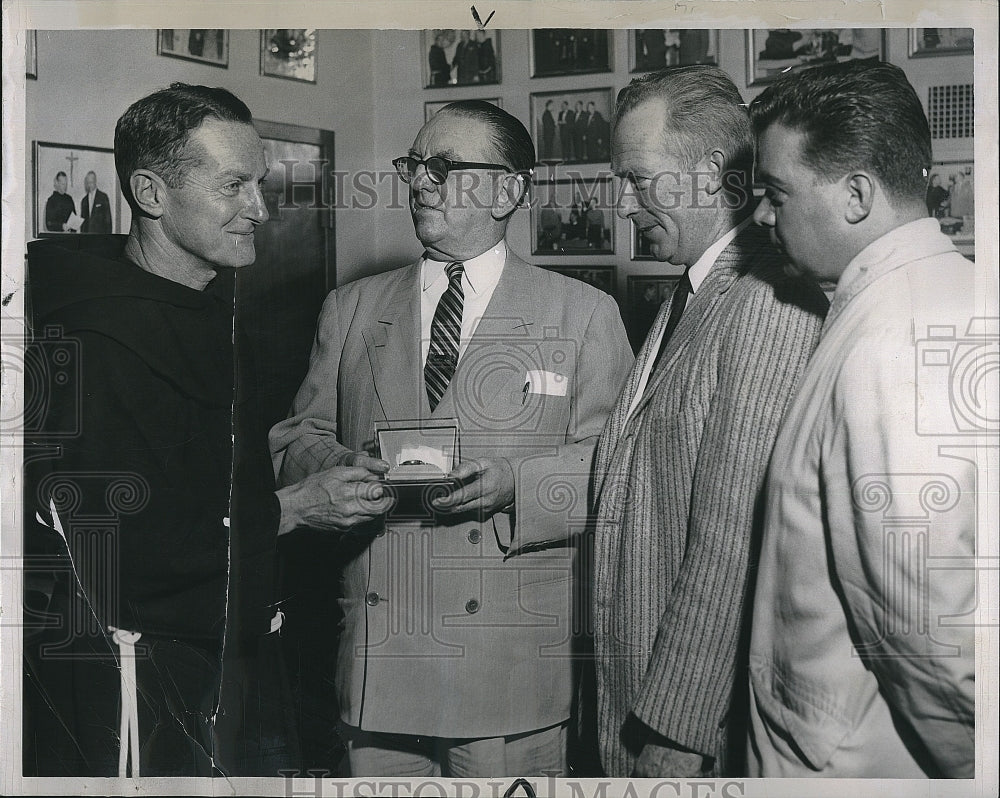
(772, 52)
(460, 57)
(572, 126)
(940, 41)
(289, 53)
(658, 48)
(570, 51)
(951, 199)
(76, 191)
(601, 277)
(431, 108)
(209, 46)
(641, 245)
(573, 217)
(645, 295)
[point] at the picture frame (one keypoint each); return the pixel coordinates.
(930, 42)
(573, 217)
(31, 55)
(951, 199)
(570, 51)
(589, 142)
(771, 52)
(650, 49)
(433, 106)
(602, 277)
(75, 161)
(646, 293)
(460, 57)
(289, 53)
(640, 246)
(206, 46)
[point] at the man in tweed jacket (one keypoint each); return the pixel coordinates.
(680, 464)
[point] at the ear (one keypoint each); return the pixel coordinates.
(148, 189)
(511, 191)
(860, 197)
(714, 166)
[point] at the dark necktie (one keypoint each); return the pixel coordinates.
(446, 332)
(677, 303)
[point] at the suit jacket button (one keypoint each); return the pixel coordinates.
(472, 606)
(372, 599)
(475, 536)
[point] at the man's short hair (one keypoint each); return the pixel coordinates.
(854, 115)
(153, 133)
(704, 110)
(510, 138)
(60, 174)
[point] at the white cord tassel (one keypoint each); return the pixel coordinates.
(129, 732)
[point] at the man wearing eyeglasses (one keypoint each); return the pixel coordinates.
(455, 658)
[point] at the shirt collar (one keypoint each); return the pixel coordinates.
(699, 271)
(481, 272)
(921, 238)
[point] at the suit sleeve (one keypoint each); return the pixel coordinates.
(909, 588)
(306, 442)
(689, 682)
(551, 490)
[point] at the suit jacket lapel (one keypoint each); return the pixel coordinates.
(393, 341)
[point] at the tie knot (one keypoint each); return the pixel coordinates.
(455, 270)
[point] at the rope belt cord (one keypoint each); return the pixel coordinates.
(129, 730)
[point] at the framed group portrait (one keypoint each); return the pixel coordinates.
(454, 57)
(289, 53)
(205, 45)
(940, 41)
(63, 177)
(572, 126)
(573, 217)
(657, 48)
(570, 51)
(771, 53)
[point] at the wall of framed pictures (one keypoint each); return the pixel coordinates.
(581, 72)
(374, 88)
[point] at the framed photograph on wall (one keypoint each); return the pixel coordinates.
(431, 108)
(570, 51)
(772, 52)
(641, 245)
(940, 41)
(573, 217)
(646, 293)
(951, 199)
(657, 48)
(288, 53)
(460, 57)
(572, 126)
(207, 46)
(601, 277)
(31, 54)
(63, 176)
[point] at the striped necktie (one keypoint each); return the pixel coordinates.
(446, 332)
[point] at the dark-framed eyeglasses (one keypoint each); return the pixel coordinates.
(438, 167)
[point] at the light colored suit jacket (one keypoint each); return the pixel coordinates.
(862, 658)
(463, 628)
(677, 486)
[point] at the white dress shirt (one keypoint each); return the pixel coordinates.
(482, 273)
(696, 274)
